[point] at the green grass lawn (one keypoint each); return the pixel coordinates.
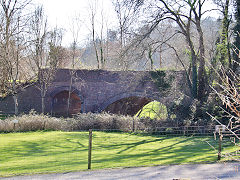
(41, 152)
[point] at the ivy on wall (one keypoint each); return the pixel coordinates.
(162, 80)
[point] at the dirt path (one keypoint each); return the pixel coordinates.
(197, 171)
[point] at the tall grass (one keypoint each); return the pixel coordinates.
(84, 121)
(31, 122)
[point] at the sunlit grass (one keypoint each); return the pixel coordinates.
(42, 152)
(153, 110)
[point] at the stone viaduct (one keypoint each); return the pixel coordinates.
(122, 92)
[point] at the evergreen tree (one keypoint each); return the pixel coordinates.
(236, 47)
(223, 54)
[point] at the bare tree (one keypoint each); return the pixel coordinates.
(103, 44)
(127, 14)
(153, 46)
(188, 16)
(12, 43)
(98, 28)
(228, 91)
(51, 64)
(75, 30)
(45, 51)
(38, 46)
(93, 12)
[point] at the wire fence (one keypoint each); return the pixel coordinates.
(182, 130)
(168, 130)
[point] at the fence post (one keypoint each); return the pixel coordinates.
(220, 145)
(90, 149)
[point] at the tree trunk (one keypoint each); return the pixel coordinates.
(150, 58)
(43, 105)
(194, 66)
(102, 56)
(69, 94)
(201, 69)
(194, 75)
(201, 80)
(98, 63)
(160, 57)
(15, 99)
(94, 42)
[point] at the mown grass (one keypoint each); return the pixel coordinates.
(42, 152)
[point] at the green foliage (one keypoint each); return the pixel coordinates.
(198, 115)
(161, 80)
(179, 111)
(222, 47)
(237, 34)
(222, 53)
(153, 110)
(45, 152)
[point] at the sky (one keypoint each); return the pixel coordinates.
(60, 13)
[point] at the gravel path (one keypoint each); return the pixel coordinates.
(197, 171)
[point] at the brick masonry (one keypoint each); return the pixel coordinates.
(98, 88)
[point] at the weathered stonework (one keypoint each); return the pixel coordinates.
(97, 89)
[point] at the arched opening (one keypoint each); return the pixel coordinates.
(60, 104)
(153, 110)
(127, 106)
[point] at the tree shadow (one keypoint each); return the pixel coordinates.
(69, 150)
(181, 151)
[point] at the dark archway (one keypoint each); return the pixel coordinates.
(127, 106)
(60, 101)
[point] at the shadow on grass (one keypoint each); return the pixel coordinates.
(53, 146)
(183, 150)
(68, 151)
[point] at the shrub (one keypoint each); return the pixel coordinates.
(101, 121)
(31, 122)
(83, 121)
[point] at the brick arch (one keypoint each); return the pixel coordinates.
(60, 94)
(118, 97)
(65, 88)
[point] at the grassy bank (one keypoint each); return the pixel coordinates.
(42, 152)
